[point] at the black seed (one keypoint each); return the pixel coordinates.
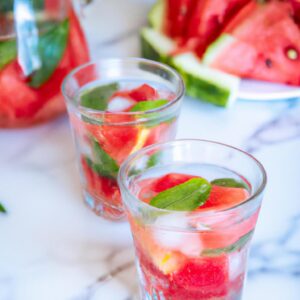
(269, 63)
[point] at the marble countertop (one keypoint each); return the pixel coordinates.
(53, 248)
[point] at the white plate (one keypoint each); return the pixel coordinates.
(255, 90)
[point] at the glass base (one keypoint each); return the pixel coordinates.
(102, 208)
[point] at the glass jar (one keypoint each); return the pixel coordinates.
(41, 41)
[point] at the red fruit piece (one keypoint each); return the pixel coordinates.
(116, 140)
(224, 233)
(143, 93)
(170, 180)
(224, 197)
(205, 278)
(102, 187)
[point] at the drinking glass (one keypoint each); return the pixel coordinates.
(104, 138)
(194, 255)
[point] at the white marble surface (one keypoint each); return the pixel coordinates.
(53, 248)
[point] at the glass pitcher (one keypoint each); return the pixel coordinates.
(41, 41)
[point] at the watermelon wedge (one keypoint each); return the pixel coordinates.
(250, 47)
(178, 13)
(208, 20)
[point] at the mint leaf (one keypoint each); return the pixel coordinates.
(183, 197)
(229, 182)
(144, 106)
(148, 105)
(238, 245)
(8, 52)
(153, 160)
(2, 209)
(103, 163)
(97, 98)
(52, 46)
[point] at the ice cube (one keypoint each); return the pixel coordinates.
(237, 263)
(179, 238)
(119, 104)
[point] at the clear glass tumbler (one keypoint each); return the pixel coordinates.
(199, 254)
(110, 120)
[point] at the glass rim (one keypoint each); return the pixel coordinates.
(180, 91)
(126, 165)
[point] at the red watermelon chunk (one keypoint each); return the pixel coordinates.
(205, 278)
(224, 197)
(265, 44)
(116, 140)
(102, 187)
(170, 180)
(143, 93)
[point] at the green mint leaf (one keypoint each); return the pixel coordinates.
(98, 168)
(144, 106)
(148, 105)
(103, 163)
(183, 197)
(153, 160)
(2, 209)
(229, 182)
(97, 98)
(238, 245)
(8, 52)
(52, 46)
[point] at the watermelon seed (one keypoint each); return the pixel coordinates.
(269, 63)
(292, 54)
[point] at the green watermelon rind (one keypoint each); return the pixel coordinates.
(221, 43)
(156, 46)
(202, 82)
(156, 16)
(205, 83)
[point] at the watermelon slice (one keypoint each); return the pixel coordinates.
(178, 13)
(269, 50)
(208, 19)
(206, 83)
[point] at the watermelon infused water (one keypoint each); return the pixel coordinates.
(117, 107)
(192, 211)
(34, 97)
